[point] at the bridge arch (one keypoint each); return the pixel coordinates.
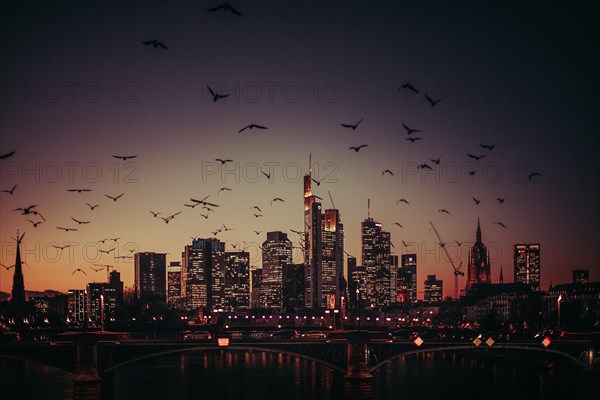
(228, 348)
(574, 360)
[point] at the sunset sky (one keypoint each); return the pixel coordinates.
(77, 86)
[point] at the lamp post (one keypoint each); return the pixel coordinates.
(558, 301)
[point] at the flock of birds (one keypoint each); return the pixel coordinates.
(413, 135)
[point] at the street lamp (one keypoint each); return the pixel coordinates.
(558, 301)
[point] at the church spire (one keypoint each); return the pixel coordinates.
(501, 276)
(478, 239)
(18, 289)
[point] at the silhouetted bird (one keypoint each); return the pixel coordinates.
(191, 205)
(35, 224)
(352, 126)
(533, 175)
(477, 158)
(78, 269)
(155, 214)
(500, 199)
(114, 198)
(106, 251)
(431, 101)
(61, 247)
(226, 7)
(155, 43)
(436, 161)
(79, 190)
(258, 232)
(387, 171)
(91, 206)
(458, 243)
(10, 191)
(223, 161)
(124, 158)
(80, 222)
(222, 189)
(443, 211)
(489, 147)
(216, 96)
(96, 269)
(205, 216)
(396, 223)
(66, 229)
(424, 166)
(252, 126)
(256, 208)
(403, 201)
(500, 223)
(257, 215)
(316, 181)
(3, 156)
(276, 199)
(413, 139)
(477, 201)
(472, 172)
(409, 86)
(409, 130)
(265, 174)
(7, 268)
(357, 148)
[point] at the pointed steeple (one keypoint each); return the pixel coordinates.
(18, 289)
(478, 239)
(501, 276)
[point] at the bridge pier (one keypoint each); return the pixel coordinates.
(357, 380)
(86, 381)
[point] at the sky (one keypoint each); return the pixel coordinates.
(77, 86)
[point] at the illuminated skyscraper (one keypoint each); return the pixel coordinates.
(479, 269)
(203, 274)
(237, 279)
(150, 276)
(407, 279)
(277, 252)
(434, 289)
(323, 251)
(256, 281)
(173, 283)
(376, 261)
(527, 265)
(115, 280)
(101, 295)
(76, 306)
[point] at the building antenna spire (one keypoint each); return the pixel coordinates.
(369, 208)
(309, 163)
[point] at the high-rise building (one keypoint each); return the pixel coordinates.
(115, 280)
(581, 276)
(256, 281)
(174, 283)
(479, 269)
(237, 279)
(150, 280)
(407, 279)
(393, 278)
(376, 261)
(527, 265)
(76, 304)
(434, 289)
(293, 286)
(203, 274)
(323, 251)
(101, 295)
(276, 252)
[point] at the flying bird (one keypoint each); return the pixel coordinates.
(258, 215)
(276, 199)
(477, 201)
(396, 223)
(252, 126)
(91, 206)
(222, 189)
(424, 166)
(436, 161)
(413, 139)
(106, 251)
(489, 147)
(226, 7)
(226, 228)
(352, 126)
(204, 203)
(431, 101)
(402, 201)
(476, 158)
(67, 229)
(472, 172)
(96, 269)
(10, 191)
(409, 86)
(357, 148)
(61, 247)
(388, 171)
(155, 213)
(205, 216)
(78, 269)
(500, 223)
(124, 158)
(6, 155)
(35, 224)
(410, 131)
(155, 44)
(265, 174)
(7, 268)
(216, 96)
(80, 222)
(500, 199)
(258, 232)
(533, 175)
(443, 211)
(458, 243)
(316, 181)
(297, 232)
(223, 161)
(256, 208)
(114, 198)
(26, 210)
(79, 190)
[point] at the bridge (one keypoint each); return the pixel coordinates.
(90, 357)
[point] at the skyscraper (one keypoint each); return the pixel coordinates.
(237, 279)
(527, 265)
(115, 280)
(479, 269)
(376, 261)
(150, 276)
(407, 279)
(101, 302)
(323, 251)
(277, 252)
(293, 286)
(203, 274)
(256, 275)
(393, 278)
(76, 304)
(174, 283)
(434, 289)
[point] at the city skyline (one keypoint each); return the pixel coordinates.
(506, 89)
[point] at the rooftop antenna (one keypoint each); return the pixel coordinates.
(369, 208)
(309, 163)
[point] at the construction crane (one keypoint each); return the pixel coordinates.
(456, 269)
(107, 268)
(331, 198)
